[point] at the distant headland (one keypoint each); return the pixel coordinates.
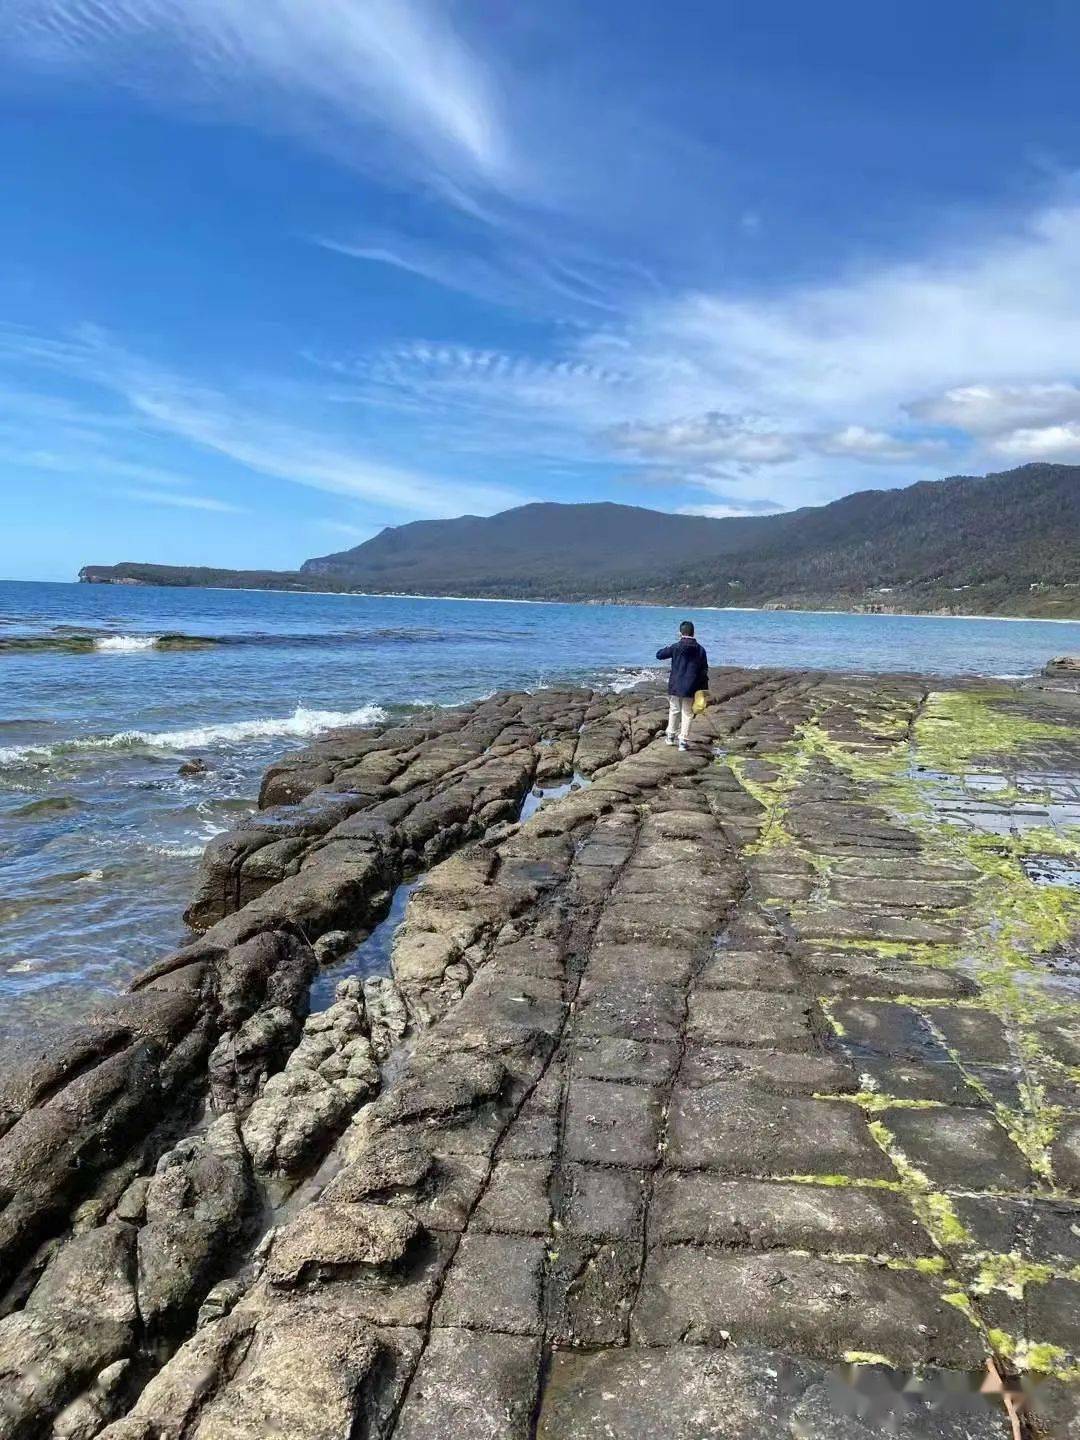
(1001, 544)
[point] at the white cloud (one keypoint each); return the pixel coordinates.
(488, 402)
(749, 440)
(471, 274)
(963, 355)
(858, 349)
(993, 409)
(712, 436)
(1045, 442)
(326, 69)
(539, 379)
(728, 512)
(866, 370)
(950, 360)
(963, 358)
(958, 359)
(859, 443)
(104, 464)
(180, 501)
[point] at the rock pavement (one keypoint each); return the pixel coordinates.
(733, 1093)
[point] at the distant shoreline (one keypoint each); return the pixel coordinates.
(645, 605)
(597, 604)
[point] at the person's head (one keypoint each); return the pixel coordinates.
(686, 628)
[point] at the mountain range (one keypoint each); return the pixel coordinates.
(1005, 543)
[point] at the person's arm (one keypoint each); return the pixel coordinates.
(665, 653)
(703, 678)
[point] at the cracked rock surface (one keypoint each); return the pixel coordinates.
(733, 1094)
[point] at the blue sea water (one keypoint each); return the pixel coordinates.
(99, 834)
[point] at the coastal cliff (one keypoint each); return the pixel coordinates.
(692, 1078)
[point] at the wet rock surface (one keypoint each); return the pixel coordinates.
(733, 1093)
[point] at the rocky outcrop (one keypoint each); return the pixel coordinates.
(1060, 674)
(341, 822)
(712, 1079)
(223, 1013)
(92, 1129)
(327, 1078)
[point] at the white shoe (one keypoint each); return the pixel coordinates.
(683, 745)
(669, 739)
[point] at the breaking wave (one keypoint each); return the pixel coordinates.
(302, 724)
(64, 641)
(73, 642)
(621, 680)
(122, 643)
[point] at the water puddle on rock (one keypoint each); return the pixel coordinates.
(1058, 972)
(1053, 870)
(990, 803)
(903, 1401)
(370, 957)
(539, 793)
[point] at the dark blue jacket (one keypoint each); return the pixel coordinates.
(689, 666)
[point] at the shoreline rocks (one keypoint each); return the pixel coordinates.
(686, 1063)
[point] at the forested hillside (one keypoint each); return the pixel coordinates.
(970, 543)
(1006, 543)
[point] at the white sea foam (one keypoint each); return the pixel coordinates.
(626, 680)
(124, 644)
(301, 724)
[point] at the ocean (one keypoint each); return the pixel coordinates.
(99, 832)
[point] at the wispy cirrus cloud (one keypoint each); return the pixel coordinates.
(485, 402)
(963, 356)
(267, 446)
(520, 264)
(421, 96)
(473, 375)
(353, 533)
(151, 397)
(330, 72)
(179, 500)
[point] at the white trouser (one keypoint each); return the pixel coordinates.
(680, 706)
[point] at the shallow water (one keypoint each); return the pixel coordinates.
(370, 957)
(100, 835)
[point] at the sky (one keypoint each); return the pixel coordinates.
(276, 275)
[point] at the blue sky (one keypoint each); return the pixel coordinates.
(275, 275)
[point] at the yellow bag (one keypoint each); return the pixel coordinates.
(701, 699)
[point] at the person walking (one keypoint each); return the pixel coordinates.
(689, 674)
